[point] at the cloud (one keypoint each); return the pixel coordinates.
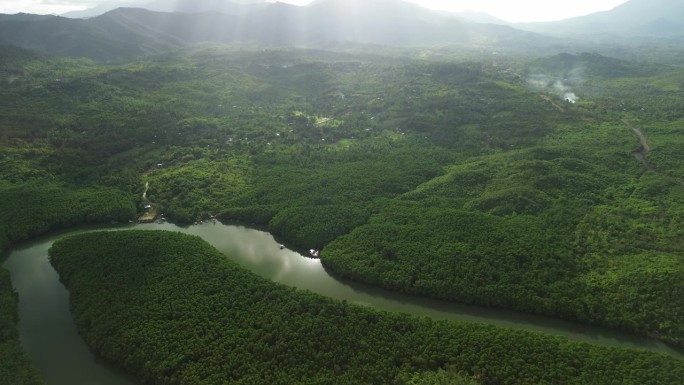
(69, 2)
(43, 6)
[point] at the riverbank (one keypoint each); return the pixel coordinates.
(46, 327)
(26, 212)
(151, 211)
(225, 314)
(259, 252)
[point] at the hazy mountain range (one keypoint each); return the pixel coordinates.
(231, 7)
(126, 33)
(633, 18)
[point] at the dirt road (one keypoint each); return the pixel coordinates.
(641, 153)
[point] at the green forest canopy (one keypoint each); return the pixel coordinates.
(449, 177)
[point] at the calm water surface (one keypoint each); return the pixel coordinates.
(48, 333)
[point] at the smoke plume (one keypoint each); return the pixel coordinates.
(556, 86)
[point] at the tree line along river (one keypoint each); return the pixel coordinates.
(48, 333)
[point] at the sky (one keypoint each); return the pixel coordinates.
(509, 10)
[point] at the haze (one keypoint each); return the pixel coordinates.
(514, 11)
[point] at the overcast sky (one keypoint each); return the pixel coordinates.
(511, 10)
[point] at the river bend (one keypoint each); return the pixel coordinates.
(48, 333)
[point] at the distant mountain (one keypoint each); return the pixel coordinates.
(380, 21)
(480, 17)
(102, 8)
(23, 17)
(232, 7)
(390, 22)
(654, 18)
(127, 33)
(102, 39)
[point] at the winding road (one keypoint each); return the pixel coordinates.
(147, 186)
(151, 214)
(645, 147)
(548, 99)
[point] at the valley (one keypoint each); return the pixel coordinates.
(465, 165)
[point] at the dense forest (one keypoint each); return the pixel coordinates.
(550, 185)
(173, 310)
(547, 230)
(30, 210)
(16, 367)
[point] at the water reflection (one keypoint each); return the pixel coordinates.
(46, 327)
(259, 252)
(48, 333)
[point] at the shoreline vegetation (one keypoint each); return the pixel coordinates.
(16, 366)
(31, 211)
(182, 313)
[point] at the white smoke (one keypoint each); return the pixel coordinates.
(565, 92)
(545, 83)
(570, 97)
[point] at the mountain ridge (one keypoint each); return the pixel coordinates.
(129, 33)
(647, 18)
(126, 33)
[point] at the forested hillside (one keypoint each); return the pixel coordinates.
(550, 185)
(173, 310)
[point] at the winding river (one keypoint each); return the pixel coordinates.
(48, 333)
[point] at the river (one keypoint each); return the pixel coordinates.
(48, 333)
